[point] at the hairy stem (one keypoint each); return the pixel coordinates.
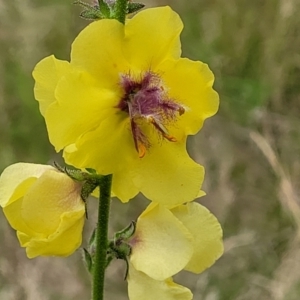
(100, 261)
(120, 10)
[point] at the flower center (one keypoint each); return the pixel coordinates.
(145, 100)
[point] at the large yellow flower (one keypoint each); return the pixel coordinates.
(126, 103)
(45, 208)
(167, 241)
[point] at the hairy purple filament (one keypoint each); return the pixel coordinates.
(146, 99)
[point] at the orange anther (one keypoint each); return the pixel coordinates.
(142, 150)
(181, 110)
(170, 138)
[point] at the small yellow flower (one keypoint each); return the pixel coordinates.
(187, 237)
(126, 103)
(45, 208)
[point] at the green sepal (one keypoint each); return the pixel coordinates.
(91, 14)
(92, 171)
(88, 187)
(88, 260)
(124, 250)
(117, 10)
(92, 239)
(119, 250)
(90, 181)
(104, 9)
(119, 247)
(127, 268)
(59, 167)
(75, 174)
(94, 12)
(126, 233)
(109, 259)
(133, 7)
(83, 4)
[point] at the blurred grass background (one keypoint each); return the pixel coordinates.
(250, 150)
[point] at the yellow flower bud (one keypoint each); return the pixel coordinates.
(44, 206)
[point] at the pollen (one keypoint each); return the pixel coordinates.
(146, 100)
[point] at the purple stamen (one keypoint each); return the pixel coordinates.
(146, 99)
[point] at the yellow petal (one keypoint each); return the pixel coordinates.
(81, 106)
(201, 194)
(98, 49)
(47, 74)
(190, 83)
(48, 199)
(141, 286)
(107, 149)
(151, 36)
(207, 234)
(161, 246)
(123, 186)
(13, 214)
(168, 175)
(63, 242)
(17, 178)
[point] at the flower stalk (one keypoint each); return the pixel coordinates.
(100, 262)
(120, 10)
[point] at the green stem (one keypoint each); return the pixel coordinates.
(120, 10)
(101, 238)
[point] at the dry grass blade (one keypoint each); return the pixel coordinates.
(288, 196)
(287, 274)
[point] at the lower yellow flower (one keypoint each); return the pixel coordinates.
(44, 206)
(187, 237)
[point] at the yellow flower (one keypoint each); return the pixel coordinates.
(187, 237)
(126, 103)
(44, 207)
